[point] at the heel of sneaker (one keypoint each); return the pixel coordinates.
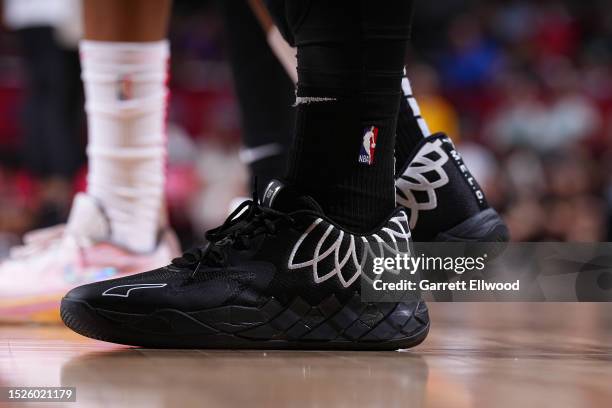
(484, 232)
(486, 226)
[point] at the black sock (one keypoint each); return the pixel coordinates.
(265, 95)
(411, 126)
(350, 63)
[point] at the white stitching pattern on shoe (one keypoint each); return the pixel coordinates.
(418, 177)
(392, 239)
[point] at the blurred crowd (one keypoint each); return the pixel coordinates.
(523, 87)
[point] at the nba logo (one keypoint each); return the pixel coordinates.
(124, 87)
(366, 153)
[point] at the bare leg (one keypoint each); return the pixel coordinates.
(283, 51)
(126, 20)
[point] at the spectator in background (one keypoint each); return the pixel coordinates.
(48, 31)
(518, 118)
(438, 112)
(571, 117)
(526, 118)
(471, 60)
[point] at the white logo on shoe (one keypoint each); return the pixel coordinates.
(425, 174)
(124, 290)
(348, 253)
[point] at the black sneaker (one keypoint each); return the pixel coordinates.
(444, 201)
(279, 275)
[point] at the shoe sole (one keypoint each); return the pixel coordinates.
(353, 326)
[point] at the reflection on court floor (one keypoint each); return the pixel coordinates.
(477, 355)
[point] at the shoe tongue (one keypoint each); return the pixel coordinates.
(87, 221)
(283, 198)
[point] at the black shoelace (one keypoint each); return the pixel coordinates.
(247, 221)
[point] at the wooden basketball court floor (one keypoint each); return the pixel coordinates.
(477, 355)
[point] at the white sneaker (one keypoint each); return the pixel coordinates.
(54, 260)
